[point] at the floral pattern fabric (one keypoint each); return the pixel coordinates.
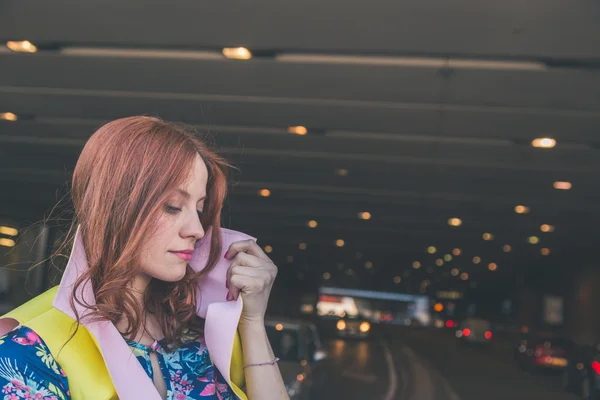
(29, 371)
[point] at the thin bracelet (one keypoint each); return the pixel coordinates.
(261, 364)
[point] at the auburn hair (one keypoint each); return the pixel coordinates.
(122, 179)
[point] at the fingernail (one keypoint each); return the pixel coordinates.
(226, 254)
(229, 297)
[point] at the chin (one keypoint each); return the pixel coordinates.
(176, 274)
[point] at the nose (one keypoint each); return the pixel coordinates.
(193, 229)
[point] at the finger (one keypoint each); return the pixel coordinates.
(247, 260)
(245, 246)
(265, 274)
(248, 271)
(246, 285)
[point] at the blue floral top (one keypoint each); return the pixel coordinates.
(29, 371)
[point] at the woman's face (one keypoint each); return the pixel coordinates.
(178, 229)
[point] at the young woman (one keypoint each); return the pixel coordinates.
(157, 300)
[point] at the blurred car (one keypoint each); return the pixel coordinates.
(582, 373)
(542, 351)
(353, 327)
(301, 356)
(474, 331)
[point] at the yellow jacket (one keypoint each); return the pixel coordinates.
(81, 358)
(98, 362)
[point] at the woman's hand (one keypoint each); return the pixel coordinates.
(251, 274)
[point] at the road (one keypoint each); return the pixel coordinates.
(418, 364)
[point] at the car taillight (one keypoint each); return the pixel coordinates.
(540, 350)
(488, 335)
(596, 367)
(466, 332)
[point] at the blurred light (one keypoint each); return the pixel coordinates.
(312, 224)
(297, 130)
(488, 236)
(562, 185)
(492, 266)
(300, 377)
(544, 143)
(302, 246)
(364, 327)
(449, 323)
(8, 116)
(456, 252)
(521, 209)
(7, 242)
(327, 276)
(547, 228)
(438, 307)
(279, 327)
(454, 271)
(268, 249)
(447, 257)
(464, 276)
(459, 334)
(364, 215)
(524, 329)
(439, 262)
(304, 363)
(545, 251)
(341, 172)
(23, 46)
(397, 280)
(416, 265)
(264, 192)
(476, 260)
(488, 335)
(533, 239)
(431, 250)
(466, 332)
(340, 243)
(455, 222)
(237, 53)
(596, 367)
(7, 230)
(341, 325)
(368, 265)
(507, 248)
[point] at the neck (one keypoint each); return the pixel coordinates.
(150, 329)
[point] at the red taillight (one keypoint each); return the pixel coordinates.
(596, 367)
(449, 323)
(488, 335)
(466, 332)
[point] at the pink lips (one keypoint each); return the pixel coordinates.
(183, 256)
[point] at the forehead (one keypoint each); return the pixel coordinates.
(197, 178)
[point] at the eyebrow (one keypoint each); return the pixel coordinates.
(187, 195)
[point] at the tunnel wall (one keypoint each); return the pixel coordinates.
(582, 314)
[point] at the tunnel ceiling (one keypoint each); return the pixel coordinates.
(415, 113)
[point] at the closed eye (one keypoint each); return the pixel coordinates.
(174, 210)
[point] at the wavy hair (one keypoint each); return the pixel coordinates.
(123, 176)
